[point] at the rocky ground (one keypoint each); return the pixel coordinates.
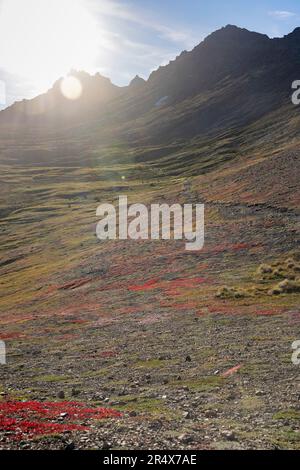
(144, 328)
(176, 382)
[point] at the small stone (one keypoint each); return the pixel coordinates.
(231, 396)
(211, 414)
(118, 403)
(229, 435)
(152, 395)
(187, 415)
(70, 446)
(105, 445)
(259, 393)
(155, 425)
(25, 446)
(61, 395)
(185, 438)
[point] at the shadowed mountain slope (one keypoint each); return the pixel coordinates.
(217, 99)
(187, 345)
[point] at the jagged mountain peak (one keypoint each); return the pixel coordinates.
(234, 33)
(295, 33)
(230, 54)
(86, 79)
(293, 39)
(96, 91)
(137, 81)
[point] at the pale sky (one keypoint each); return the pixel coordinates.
(41, 40)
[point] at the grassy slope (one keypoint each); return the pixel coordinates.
(66, 298)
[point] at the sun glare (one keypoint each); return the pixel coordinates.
(42, 40)
(71, 88)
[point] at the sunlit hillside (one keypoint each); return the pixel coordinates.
(182, 349)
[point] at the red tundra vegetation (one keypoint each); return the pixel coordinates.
(32, 418)
(108, 354)
(232, 371)
(168, 285)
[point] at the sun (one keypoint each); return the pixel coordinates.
(71, 88)
(41, 40)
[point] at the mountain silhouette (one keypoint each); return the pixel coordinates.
(231, 80)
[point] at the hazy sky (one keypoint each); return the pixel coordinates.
(41, 40)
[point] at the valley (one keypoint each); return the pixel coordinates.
(141, 343)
